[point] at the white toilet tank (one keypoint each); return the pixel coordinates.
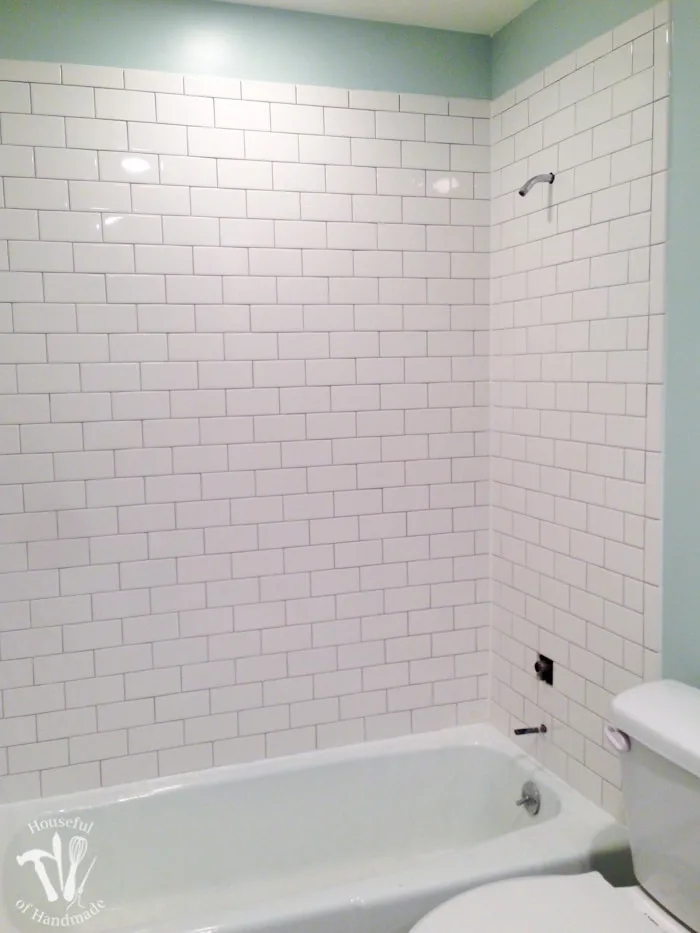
(661, 784)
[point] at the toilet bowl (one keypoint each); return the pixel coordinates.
(657, 733)
(561, 904)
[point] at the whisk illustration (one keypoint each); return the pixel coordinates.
(77, 849)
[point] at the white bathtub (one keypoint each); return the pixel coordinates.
(356, 840)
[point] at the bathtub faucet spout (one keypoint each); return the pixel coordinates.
(534, 730)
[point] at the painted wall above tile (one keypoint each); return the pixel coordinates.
(550, 30)
(206, 37)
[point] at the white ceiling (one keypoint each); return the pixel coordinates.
(479, 16)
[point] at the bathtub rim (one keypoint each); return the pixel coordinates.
(477, 735)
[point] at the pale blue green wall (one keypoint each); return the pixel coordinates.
(206, 37)
(551, 29)
(681, 628)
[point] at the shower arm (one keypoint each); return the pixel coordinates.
(547, 179)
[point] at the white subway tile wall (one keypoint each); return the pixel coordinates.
(577, 349)
(243, 420)
(309, 424)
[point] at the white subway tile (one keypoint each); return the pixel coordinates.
(470, 107)
(325, 150)
(296, 118)
(36, 193)
(18, 225)
(187, 171)
(45, 72)
(612, 136)
(322, 96)
(662, 62)
(283, 147)
(82, 133)
(613, 68)
(372, 152)
(276, 205)
(125, 228)
(209, 86)
(164, 259)
(242, 114)
(152, 81)
(423, 103)
(151, 137)
(400, 126)
(634, 92)
(124, 105)
(292, 177)
(244, 174)
(215, 202)
(24, 130)
(210, 260)
(185, 109)
(188, 289)
(216, 143)
(268, 90)
(135, 288)
(594, 49)
(594, 110)
(59, 100)
(449, 129)
(425, 155)
(17, 161)
(374, 100)
(14, 97)
(592, 176)
(93, 76)
(424, 211)
(97, 257)
(633, 28)
(191, 231)
(99, 196)
(345, 122)
(81, 288)
(27, 256)
(643, 125)
(66, 163)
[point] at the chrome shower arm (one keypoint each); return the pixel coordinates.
(537, 180)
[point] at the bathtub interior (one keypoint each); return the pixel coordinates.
(278, 834)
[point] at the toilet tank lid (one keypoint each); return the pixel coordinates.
(665, 717)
